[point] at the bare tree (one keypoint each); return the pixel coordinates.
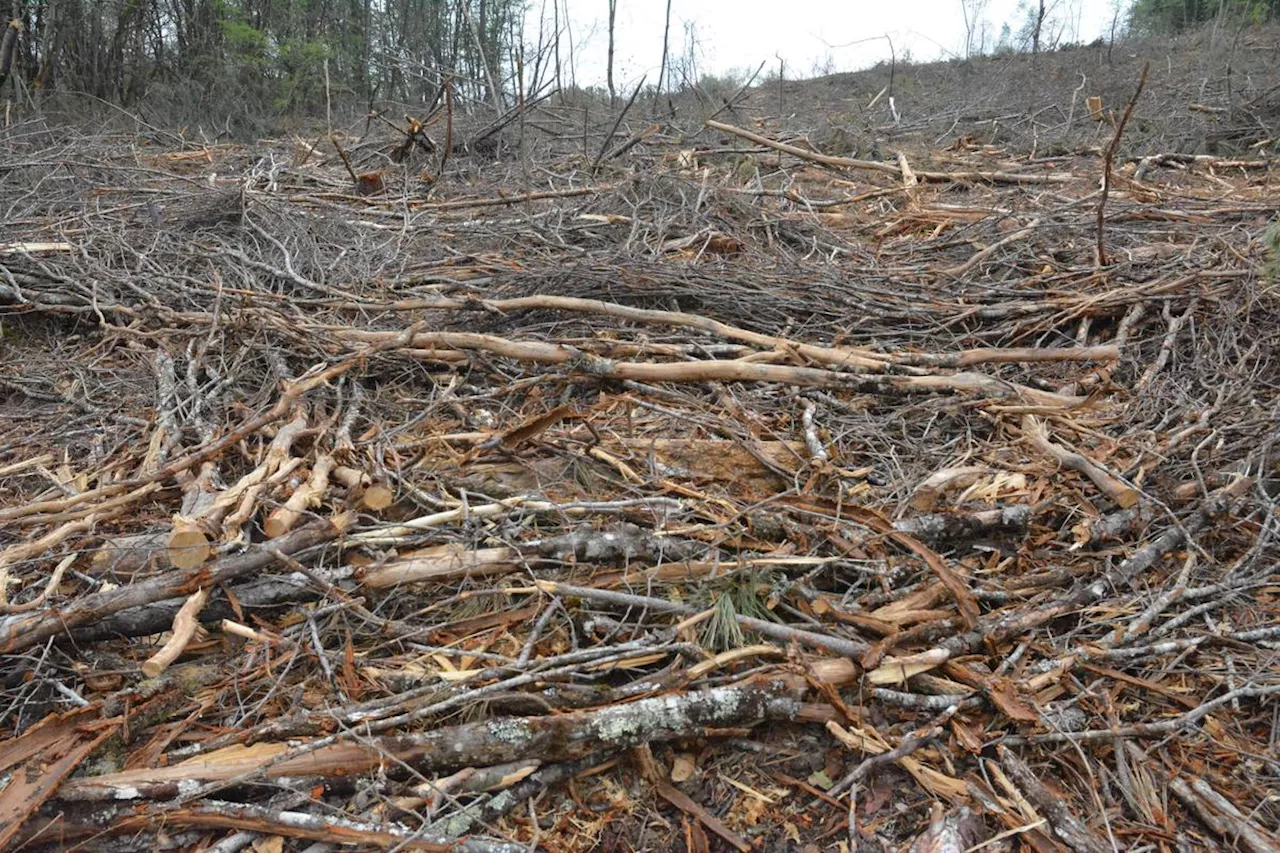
(1037, 26)
(687, 63)
(1115, 20)
(556, 25)
(495, 92)
(613, 13)
(54, 33)
(8, 45)
(974, 13)
(666, 42)
(568, 29)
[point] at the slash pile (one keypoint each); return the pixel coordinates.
(734, 498)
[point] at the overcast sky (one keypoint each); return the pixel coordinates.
(812, 36)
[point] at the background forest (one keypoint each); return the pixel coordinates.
(243, 62)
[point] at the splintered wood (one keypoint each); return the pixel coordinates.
(734, 495)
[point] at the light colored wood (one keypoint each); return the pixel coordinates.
(350, 478)
(1034, 431)
(377, 497)
(282, 519)
(445, 563)
(34, 248)
(185, 624)
(887, 168)
(189, 544)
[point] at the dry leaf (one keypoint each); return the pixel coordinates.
(683, 767)
(268, 844)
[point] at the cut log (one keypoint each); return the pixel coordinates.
(188, 545)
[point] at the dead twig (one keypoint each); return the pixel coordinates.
(1107, 158)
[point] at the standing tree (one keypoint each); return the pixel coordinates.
(556, 25)
(613, 13)
(1037, 27)
(8, 48)
(666, 42)
(975, 26)
(1042, 25)
(1165, 16)
(258, 59)
(479, 33)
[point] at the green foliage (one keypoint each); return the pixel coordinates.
(250, 62)
(301, 73)
(242, 73)
(1171, 16)
(1004, 44)
(741, 597)
(722, 630)
(242, 42)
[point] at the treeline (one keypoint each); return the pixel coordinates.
(1171, 16)
(275, 55)
(210, 59)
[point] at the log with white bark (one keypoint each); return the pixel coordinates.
(560, 737)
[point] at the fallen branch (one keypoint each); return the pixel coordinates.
(783, 633)
(24, 631)
(1000, 627)
(282, 519)
(720, 370)
(1156, 729)
(1123, 495)
(1217, 812)
(887, 168)
(265, 820)
(141, 486)
(595, 164)
(184, 628)
(849, 358)
(503, 201)
(562, 737)
(955, 527)
(866, 739)
(1077, 835)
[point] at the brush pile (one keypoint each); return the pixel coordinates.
(714, 495)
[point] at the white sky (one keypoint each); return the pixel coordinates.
(740, 34)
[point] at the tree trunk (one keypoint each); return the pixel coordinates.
(495, 93)
(51, 35)
(7, 44)
(1035, 32)
(555, 23)
(613, 13)
(666, 43)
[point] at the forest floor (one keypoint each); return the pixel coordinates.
(774, 475)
